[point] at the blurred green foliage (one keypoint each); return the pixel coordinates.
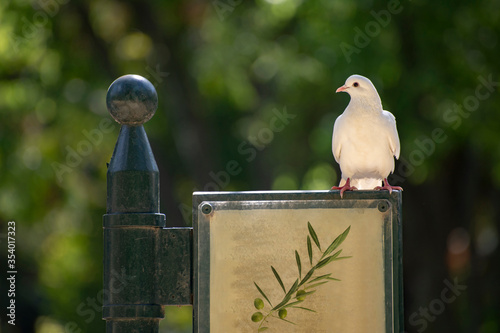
(223, 70)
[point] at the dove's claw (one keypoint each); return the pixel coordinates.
(388, 187)
(347, 187)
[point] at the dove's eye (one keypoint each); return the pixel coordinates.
(355, 84)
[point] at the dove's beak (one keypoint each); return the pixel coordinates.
(343, 88)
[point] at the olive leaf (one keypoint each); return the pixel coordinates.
(292, 304)
(309, 250)
(302, 308)
(283, 302)
(313, 235)
(262, 329)
(299, 266)
(328, 260)
(262, 293)
(320, 278)
(288, 296)
(279, 279)
(340, 258)
(307, 293)
(294, 287)
(336, 243)
(316, 284)
(308, 276)
(288, 321)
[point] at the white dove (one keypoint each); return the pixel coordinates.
(365, 139)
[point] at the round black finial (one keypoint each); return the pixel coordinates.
(131, 100)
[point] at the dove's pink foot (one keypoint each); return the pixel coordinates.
(388, 187)
(347, 187)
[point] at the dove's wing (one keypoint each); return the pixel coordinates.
(336, 145)
(392, 133)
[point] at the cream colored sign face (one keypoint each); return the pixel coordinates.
(245, 243)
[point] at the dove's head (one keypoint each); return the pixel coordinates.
(360, 87)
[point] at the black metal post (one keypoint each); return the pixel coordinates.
(133, 222)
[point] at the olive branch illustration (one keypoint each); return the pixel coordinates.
(303, 286)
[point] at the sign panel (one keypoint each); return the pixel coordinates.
(296, 262)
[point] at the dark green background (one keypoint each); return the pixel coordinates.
(223, 69)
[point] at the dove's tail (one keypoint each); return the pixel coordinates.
(364, 183)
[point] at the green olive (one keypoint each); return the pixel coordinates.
(282, 313)
(258, 303)
(298, 295)
(257, 316)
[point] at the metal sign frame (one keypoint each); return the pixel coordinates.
(206, 204)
